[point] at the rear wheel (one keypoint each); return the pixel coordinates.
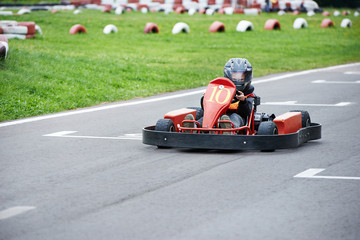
(305, 118)
(199, 112)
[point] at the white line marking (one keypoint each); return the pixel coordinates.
(336, 82)
(11, 212)
(352, 73)
(133, 136)
(294, 103)
(124, 104)
(59, 134)
(310, 173)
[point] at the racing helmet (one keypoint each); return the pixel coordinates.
(239, 71)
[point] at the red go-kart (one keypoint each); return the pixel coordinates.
(261, 131)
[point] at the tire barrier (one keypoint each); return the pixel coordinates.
(300, 23)
(346, 23)
(110, 29)
(310, 13)
(18, 30)
(327, 23)
(296, 12)
(192, 11)
(244, 26)
(336, 13)
(107, 8)
(326, 14)
(210, 11)
(272, 24)
(180, 10)
(119, 10)
(217, 27)
(23, 11)
(77, 11)
(77, 28)
(151, 28)
(4, 47)
(180, 27)
(281, 12)
(25, 28)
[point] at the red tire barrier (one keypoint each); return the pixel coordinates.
(272, 24)
(326, 13)
(296, 12)
(217, 27)
(221, 11)
(327, 23)
(30, 26)
(107, 8)
(151, 28)
(1, 31)
(77, 28)
(202, 11)
(180, 10)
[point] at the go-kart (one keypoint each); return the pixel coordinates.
(260, 132)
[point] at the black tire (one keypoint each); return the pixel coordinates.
(267, 128)
(165, 125)
(199, 112)
(305, 118)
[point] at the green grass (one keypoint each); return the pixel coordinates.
(58, 71)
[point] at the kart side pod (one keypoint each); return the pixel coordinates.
(177, 116)
(289, 122)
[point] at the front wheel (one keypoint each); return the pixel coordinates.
(267, 128)
(165, 125)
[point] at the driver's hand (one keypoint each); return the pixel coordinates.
(240, 96)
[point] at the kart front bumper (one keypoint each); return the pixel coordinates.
(230, 142)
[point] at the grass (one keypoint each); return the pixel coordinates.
(58, 71)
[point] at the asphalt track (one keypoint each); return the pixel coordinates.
(85, 174)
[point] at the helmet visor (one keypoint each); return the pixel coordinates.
(238, 77)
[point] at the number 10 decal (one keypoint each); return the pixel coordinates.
(220, 92)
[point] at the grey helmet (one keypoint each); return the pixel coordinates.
(239, 65)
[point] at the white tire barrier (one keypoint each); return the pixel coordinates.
(119, 10)
(310, 13)
(180, 27)
(144, 10)
(336, 13)
(346, 23)
(77, 11)
(300, 23)
(251, 11)
(6, 13)
(210, 11)
(23, 11)
(38, 29)
(356, 13)
(281, 12)
(77, 28)
(244, 26)
(192, 11)
(110, 29)
(4, 47)
(18, 36)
